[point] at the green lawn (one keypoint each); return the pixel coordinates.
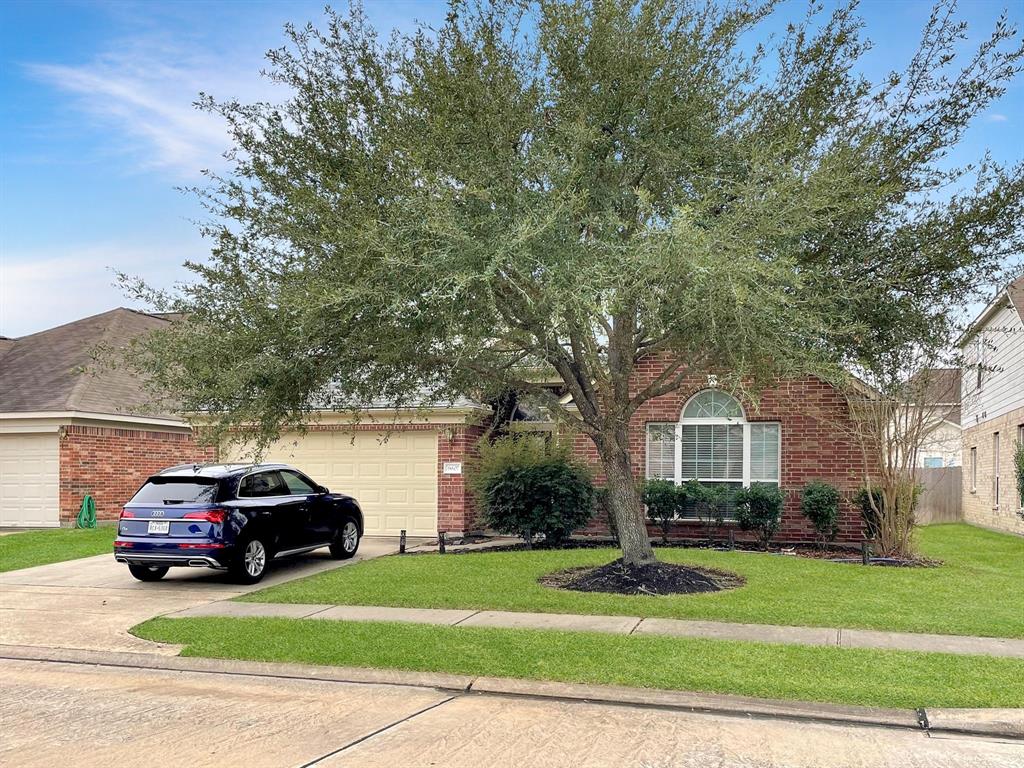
(976, 592)
(23, 550)
(844, 675)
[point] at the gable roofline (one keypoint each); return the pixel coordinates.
(1012, 293)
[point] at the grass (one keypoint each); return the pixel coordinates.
(843, 675)
(976, 592)
(29, 548)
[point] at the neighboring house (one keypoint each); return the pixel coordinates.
(66, 431)
(941, 399)
(993, 410)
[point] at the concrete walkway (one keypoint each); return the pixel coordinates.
(622, 625)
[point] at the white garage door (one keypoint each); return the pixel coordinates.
(29, 480)
(395, 482)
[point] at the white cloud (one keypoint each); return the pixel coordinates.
(996, 117)
(144, 95)
(44, 288)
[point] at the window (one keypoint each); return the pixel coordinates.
(978, 353)
(995, 470)
(172, 490)
(715, 444)
(297, 484)
(260, 485)
(974, 470)
(933, 462)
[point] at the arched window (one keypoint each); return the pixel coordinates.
(714, 443)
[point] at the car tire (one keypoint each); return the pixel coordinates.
(148, 572)
(251, 560)
(346, 543)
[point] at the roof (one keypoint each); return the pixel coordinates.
(1012, 293)
(54, 370)
(939, 387)
(214, 470)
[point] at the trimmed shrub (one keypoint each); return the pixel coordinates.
(529, 487)
(665, 501)
(759, 509)
(819, 501)
(711, 504)
(1018, 463)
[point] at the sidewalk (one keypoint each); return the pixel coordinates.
(623, 625)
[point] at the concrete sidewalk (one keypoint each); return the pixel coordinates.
(622, 625)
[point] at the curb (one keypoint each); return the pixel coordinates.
(991, 723)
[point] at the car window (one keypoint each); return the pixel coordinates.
(260, 485)
(297, 484)
(177, 491)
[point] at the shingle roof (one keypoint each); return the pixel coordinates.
(53, 370)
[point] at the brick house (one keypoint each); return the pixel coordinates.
(993, 411)
(792, 435)
(67, 430)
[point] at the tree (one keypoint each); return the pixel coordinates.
(579, 187)
(906, 397)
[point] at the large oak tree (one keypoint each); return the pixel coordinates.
(571, 187)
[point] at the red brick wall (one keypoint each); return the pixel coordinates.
(812, 448)
(456, 510)
(110, 464)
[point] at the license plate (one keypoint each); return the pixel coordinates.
(159, 526)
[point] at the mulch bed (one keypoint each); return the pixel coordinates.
(654, 579)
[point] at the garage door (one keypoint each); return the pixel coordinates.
(395, 482)
(29, 480)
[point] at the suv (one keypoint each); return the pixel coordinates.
(234, 517)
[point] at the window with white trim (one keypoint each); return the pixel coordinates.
(714, 443)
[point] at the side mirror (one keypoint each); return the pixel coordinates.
(322, 489)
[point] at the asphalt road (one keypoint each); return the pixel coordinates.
(86, 715)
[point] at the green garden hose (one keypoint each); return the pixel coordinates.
(87, 514)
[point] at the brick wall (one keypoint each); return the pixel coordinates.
(813, 448)
(456, 510)
(979, 500)
(110, 464)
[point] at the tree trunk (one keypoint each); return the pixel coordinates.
(624, 501)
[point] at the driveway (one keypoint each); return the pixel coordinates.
(145, 717)
(92, 602)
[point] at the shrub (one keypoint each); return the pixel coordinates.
(530, 487)
(710, 504)
(664, 500)
(871, 517)
(879, 524)
(1018, 463)
(759, 509)
(819, 502)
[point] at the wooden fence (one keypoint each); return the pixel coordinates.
(940, 501)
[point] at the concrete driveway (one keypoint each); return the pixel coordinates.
(145, 717)
(92, 602)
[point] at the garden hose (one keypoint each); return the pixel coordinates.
(87, 514)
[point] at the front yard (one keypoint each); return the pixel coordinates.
(843, 675)
(976, 592)
(29, 548)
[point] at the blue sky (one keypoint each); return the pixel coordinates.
(97, 129)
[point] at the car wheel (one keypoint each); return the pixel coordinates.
(347, 541)
(251, 560)
(148, 572)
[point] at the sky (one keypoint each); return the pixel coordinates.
(98, 133)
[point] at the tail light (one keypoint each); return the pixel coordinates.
(125, 513)
(125, 544)
(215, 516)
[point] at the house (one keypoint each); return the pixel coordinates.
(993, 410)
(66, 431)
(940, 396)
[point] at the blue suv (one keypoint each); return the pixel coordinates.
(233, 517)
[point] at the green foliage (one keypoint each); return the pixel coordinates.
(1018, 464)
(571, 187)
(665, 503)
(530, 487)
(819, 501)
(711, 503)
(759, 509)
(874, 517)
